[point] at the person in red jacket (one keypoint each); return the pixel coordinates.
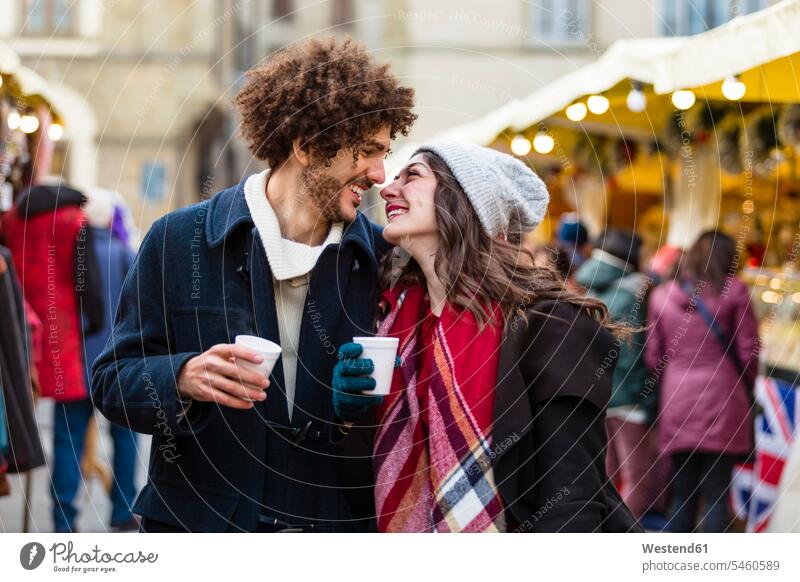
(47, 233)
(52, 246)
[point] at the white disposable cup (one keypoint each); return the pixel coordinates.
(268, 350)
(383, 353)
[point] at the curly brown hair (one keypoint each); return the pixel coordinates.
(330, 94)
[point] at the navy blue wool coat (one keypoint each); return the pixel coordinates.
(202, 277)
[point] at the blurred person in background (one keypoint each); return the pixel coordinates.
(612, 275)
(72, 419)
(48, 234)
(703, 344)
(664, 264)
(20, 331)
(572, 237)
(53, 248)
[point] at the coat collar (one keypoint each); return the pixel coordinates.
(227, 210)
(47, 198)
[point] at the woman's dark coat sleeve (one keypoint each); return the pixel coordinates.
(567, 362)
(570, 481)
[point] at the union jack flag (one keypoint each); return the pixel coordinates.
(754, 487)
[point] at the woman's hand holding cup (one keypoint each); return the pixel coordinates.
(363, 376)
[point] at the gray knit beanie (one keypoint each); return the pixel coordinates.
(495, 183)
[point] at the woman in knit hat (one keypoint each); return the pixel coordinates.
(495, 418)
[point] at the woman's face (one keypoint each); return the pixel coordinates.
(410, 205)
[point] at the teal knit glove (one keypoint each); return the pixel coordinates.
(350, 378)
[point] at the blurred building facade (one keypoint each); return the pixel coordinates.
(151, 83)
(148, 80)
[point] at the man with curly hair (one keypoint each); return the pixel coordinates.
(284, 255)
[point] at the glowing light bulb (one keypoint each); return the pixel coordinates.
(683, 99)
(13, 120)
(597, 104)
(55, 131)
(576, 111)
(543, 143)
(520, 145)
(733, 88)
(28, 123)
(636, 100)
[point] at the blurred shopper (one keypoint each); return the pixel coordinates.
(612, 275)
(663, 265)
(572, 238)
(20, 446)
(52, 246)
(703, 344)
(72, 418)
(495, 418)
(55, 252)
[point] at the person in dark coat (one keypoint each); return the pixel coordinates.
(20, 446)
(284, 255)
(704, 420)
(495, 420)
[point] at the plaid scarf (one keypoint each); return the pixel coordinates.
(432, 457)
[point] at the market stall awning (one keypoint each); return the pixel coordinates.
(763, 48)
(28, 85)
(33, 85)
(9, 61)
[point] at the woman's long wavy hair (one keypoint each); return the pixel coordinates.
(477, 269)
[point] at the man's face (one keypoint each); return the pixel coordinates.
(336, 190)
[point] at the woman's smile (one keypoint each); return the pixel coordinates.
(393, 210)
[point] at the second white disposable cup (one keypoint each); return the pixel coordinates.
(383, 352)
(268, 350)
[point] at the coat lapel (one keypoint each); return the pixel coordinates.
(266, 317)
(322, 317)
(513, 417)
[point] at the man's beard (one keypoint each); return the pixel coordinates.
(324, 192)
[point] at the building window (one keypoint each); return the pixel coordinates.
(244, 51)
(49, 17)
(153, 178)
(283, 9)
(343, 12)
(687, 17)
(559, 22)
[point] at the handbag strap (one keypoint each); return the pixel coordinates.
(719, 334)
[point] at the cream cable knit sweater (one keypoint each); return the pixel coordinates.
(291, 264)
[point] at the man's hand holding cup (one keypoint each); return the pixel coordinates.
(234, 375)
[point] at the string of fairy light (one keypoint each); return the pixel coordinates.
(733, 89)
(27, 122)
